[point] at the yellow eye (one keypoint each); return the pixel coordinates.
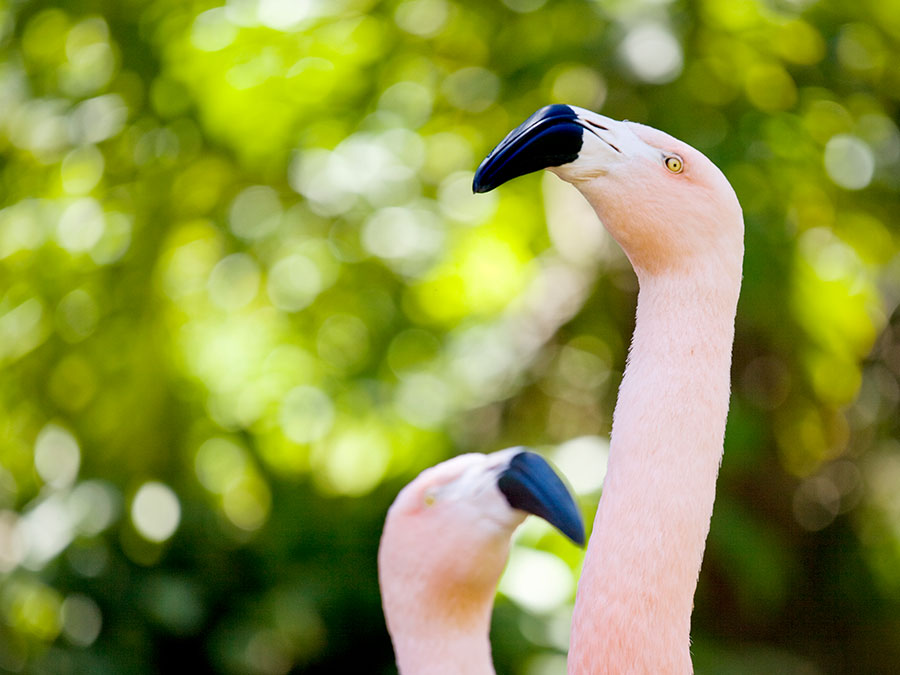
(430, 499)
(674, 163)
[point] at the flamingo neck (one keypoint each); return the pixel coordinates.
(635, 596)
(438, 584)
(429, 644)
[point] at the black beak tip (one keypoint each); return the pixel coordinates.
(530, 484)
(550, 137)
(479, 186)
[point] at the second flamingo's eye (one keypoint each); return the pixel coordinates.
(674, 164)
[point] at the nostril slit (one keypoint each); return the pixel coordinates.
(590, 123)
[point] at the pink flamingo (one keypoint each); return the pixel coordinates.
(680, 224)
(445, 543)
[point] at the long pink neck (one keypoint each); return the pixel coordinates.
(432, 646)
(438, 583)
(634, 601)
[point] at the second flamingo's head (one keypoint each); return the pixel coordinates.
(667, 204)
(447, 535)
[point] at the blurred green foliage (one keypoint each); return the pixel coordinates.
(246, 294)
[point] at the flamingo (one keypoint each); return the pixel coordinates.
(679, 222)
(444, 545)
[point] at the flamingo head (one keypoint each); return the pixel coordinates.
(663, 201)
(447, 535)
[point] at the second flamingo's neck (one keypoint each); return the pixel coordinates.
(634, 602)
(439, 647)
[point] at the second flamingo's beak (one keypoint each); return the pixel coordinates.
(550, 137)
(530, 484)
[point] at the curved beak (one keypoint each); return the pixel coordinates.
(530, 485)
(550, 137)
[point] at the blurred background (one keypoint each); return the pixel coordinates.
(246, 294)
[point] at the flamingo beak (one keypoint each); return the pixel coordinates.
(550, 137)
(530, 484)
